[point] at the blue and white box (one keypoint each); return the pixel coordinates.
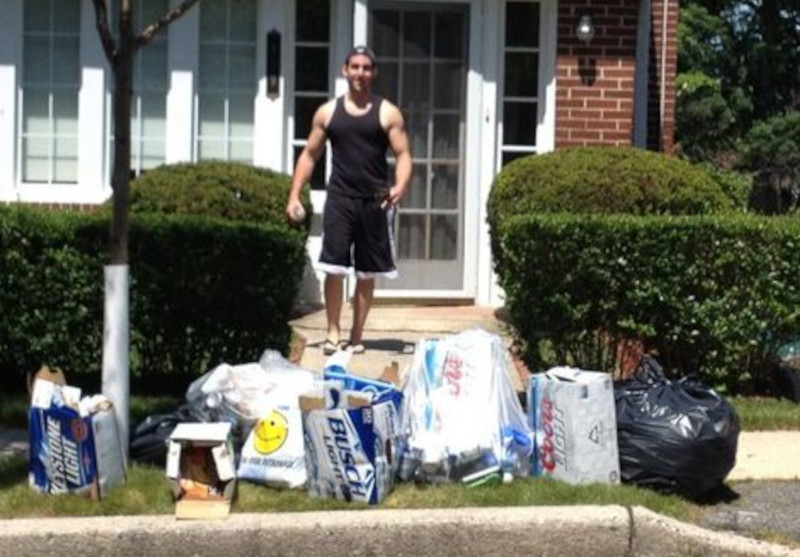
(352, 449)
(73, 451)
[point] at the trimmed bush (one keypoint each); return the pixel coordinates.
(51, 293)
(711, 295)
(231, 190)
(604, 180)
(203, 291)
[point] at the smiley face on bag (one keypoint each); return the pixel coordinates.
(271, 433)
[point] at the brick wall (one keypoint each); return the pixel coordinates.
(596, 81)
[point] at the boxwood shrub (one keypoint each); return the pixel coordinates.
(604, 180)
(203, 291)
(712, 296)
(598, 245)
(231, 190)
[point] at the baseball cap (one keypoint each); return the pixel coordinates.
(363, 50)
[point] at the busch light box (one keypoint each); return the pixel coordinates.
(74, 445)
(351, 449)
(574, 419)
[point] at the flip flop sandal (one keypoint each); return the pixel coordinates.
(356, 348)
(330, 347)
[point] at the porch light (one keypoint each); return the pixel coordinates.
(584, 31)
(273, 63)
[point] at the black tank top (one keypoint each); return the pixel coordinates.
(359, 146)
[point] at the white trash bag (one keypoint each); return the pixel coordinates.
(261, 400)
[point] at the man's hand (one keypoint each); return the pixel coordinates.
(295, 212)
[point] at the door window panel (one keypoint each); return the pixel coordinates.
(446, 129)
(312, 73)
(520, 103)
(313, 21)
(444, 236)
(445, 186)
(312, 84)
(417, 34)
(416, 86)
(417, 130)
(517, 128)
(386, 35)
(449, 35)
(417, 198)
(411, 239)
(522, 24)
(447, 79)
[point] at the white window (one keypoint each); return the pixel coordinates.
(227, 83)
(50, 81)
(520, 100)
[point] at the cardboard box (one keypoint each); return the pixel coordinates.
(573, 415)
(73, 451)
(200, 470)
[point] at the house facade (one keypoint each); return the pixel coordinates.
(481, 82)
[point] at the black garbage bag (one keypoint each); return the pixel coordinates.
(150, 438)
(673, 436)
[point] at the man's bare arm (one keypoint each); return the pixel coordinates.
(311, 153)
(398, 141)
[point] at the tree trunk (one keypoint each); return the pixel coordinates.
(116, 329)
(121, 178)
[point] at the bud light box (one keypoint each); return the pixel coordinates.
(352, 447)
(74, 443)
(574, 419)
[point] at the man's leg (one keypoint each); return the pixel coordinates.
(361, 304)
(333, 305)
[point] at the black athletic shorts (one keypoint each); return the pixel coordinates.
(357, 230)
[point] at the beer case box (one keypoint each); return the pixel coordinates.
(71, 452)
(200, 469)
(352, 449)
(573, 416)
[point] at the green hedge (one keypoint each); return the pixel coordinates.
(712, 295)
(203, 291)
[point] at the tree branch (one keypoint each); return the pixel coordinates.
(148, 32)
(101, 17)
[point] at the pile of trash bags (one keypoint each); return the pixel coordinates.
(453, 416)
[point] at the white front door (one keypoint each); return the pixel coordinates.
(422, 52)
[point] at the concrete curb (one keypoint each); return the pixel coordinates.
(596, 531)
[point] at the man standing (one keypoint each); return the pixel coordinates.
(357, 218)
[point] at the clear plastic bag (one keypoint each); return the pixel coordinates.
(462, 417)
(260, 400)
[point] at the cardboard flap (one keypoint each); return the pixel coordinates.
(173, 460)
(209, 433)
(224, 461)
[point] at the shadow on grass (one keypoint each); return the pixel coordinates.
(13, 470)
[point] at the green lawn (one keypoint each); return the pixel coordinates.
(146, 491)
